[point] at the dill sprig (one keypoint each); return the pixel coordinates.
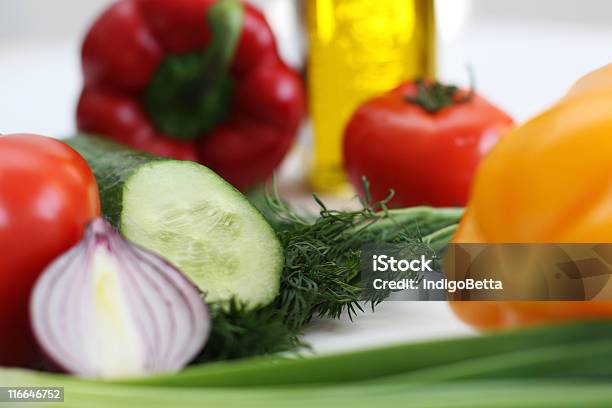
(239, 332)
(323, 255)
(322, 259)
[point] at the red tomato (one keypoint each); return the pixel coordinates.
(47, 195)
(423, 140)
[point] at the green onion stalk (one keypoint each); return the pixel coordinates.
(556, 366)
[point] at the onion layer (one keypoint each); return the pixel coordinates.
(108, 309)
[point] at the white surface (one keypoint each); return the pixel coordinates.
(521, 66)
(39, 88)
(391, 323)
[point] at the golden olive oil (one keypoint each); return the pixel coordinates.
(359, 48)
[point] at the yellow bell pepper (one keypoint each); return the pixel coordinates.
(548, 181)
(597, 81)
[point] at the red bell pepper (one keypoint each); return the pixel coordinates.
(195, 80)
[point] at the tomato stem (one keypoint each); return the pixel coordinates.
(433, 96)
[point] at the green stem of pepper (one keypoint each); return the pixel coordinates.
(191, 93)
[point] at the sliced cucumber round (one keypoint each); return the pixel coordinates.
(190, 216)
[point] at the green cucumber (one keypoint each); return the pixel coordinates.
(192, 217)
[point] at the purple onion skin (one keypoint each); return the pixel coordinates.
(149, 278)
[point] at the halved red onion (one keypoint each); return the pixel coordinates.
(108, 309)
